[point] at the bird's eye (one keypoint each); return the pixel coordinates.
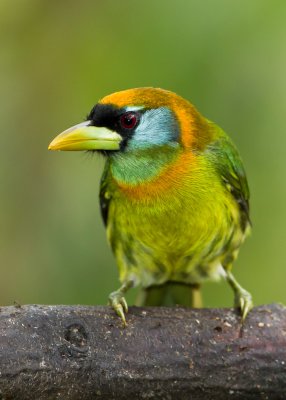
(128, 120)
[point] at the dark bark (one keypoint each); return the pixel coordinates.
(82, 353)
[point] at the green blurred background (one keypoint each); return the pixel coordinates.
(58, 58)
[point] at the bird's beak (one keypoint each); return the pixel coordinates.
(85, 136)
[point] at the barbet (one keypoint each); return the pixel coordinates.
(174, 195)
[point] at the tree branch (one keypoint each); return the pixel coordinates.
(80, 352)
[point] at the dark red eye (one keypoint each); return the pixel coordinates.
(128, 120)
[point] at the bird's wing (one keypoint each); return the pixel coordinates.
(104, 196)
(228, 164)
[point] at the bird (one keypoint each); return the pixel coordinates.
(174, 195)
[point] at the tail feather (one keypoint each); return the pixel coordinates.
(170, 294)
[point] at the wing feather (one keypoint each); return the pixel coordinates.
(227, 161)
(104, 195)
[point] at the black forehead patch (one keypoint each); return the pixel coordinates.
(104, 115)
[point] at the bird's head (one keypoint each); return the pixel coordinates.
(136, 119)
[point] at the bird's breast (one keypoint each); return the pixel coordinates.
(170, 180)
(185, 203)
(156, 228)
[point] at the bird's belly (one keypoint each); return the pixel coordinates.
(153, 245)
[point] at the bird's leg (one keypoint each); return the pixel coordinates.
(242, 298)
(118, 302)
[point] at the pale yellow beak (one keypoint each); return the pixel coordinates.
(85, 136)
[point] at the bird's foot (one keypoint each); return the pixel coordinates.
(242, 299)
(119, 304)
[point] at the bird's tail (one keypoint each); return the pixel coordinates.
(170, 294)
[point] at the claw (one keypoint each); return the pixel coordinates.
(119, 304)
(243, 299)
(119, 311)
(124, 304)
(246, 304)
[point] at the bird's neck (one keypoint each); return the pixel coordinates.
(142, 166)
